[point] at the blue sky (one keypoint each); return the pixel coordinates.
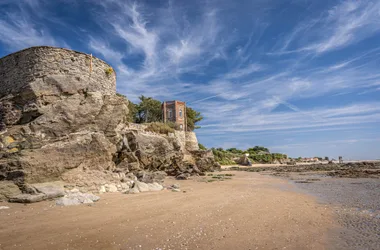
(300, 76)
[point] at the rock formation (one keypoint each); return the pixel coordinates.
(61, 120)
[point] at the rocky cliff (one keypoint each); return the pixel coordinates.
(60, 120)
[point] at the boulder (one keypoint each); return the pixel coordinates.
(8, 189)
(133, 190)
(181, 177)
(155, 186)
(111, 188)
(28, 198)
(141, 186)
(77, 198)
(50, 189)
(102, 189)
(125, 186)
(65, 201)
(151, 177)
(244, 160)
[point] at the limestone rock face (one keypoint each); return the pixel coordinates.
(60, 120)
(75, 131)
(58, 113)
(150, 152)
(204, 161)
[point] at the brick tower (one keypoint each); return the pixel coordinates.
(175, 111)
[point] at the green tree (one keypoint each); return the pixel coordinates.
(148, 110)
(132, 114)
(257, 149)
(193, 117)
(235, 150)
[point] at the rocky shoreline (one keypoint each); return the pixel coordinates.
(365, 169)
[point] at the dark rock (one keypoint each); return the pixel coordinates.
(28, 198)
(181, 177)
(150, 177)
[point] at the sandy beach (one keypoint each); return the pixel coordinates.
(249, 211)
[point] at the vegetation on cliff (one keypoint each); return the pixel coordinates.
(193, 117)
(148, 110)
(257, 154)
(162, 128)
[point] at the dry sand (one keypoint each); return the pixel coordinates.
(251, 211)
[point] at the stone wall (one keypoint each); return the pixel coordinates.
(181, 137)
(24, 70)
(191, 141)
(188, 140)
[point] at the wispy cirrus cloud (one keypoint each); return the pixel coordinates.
(244, 72)
(346, 23)
(327, 117)
(253, 70)
(23, 26)
(21, 33)
(163, 49)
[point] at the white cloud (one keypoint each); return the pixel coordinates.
(237, 121)
(343, 25)
(246, 71)
(20, 32)
(169, 45)
(225, 66)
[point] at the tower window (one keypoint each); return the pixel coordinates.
(170, 113)
(180, 113)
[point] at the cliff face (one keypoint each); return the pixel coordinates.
(63, 121)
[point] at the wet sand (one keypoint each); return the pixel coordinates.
(356, 205)
(250, 211)
(352, 190)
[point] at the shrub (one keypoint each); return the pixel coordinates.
(160, 128)
(201, 147)
(108, 71)
(173, 125)
(224, 157)
(256, 154)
